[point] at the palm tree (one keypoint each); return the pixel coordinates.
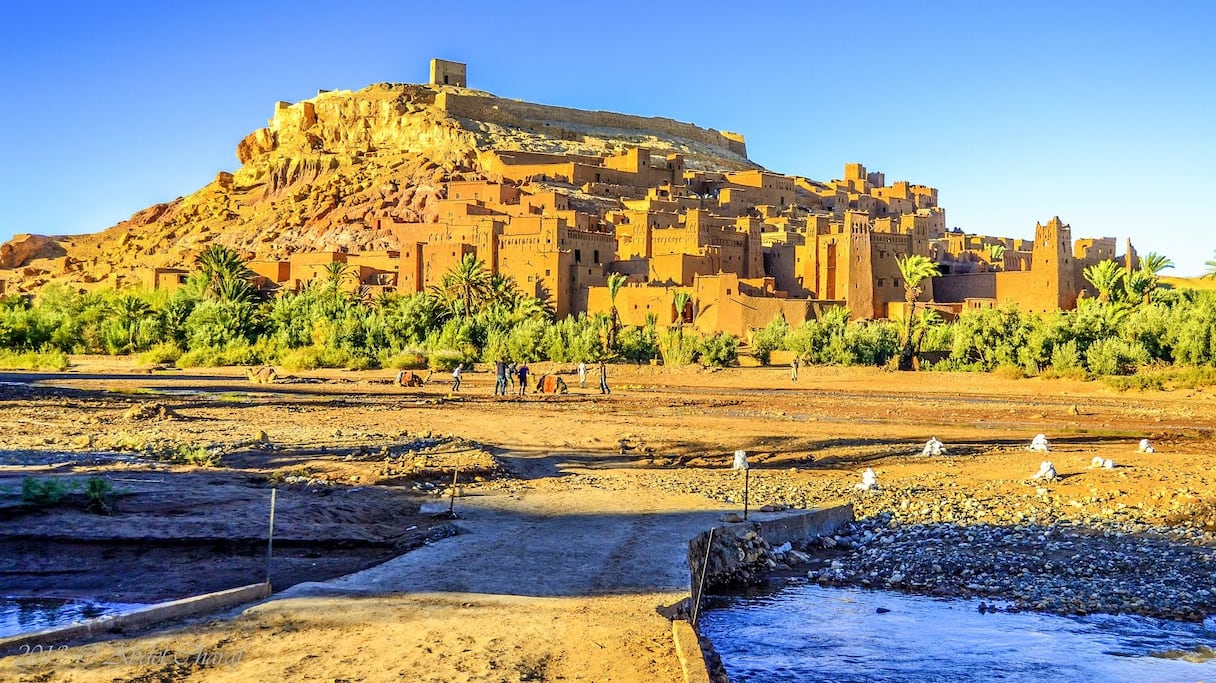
(503, 291)
(468, 282)
(1142, 283)
(680, 301)
(926, 319)
(1210, 269)
(1105, 277)
(996, 253)
(914, 269)
(223, 273)
(615, 282)
(131, 311)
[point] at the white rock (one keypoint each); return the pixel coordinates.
(869, 480)
(1046, 471)
(740, 460)
(934, 447)
(1039, 444)
(1145, 447)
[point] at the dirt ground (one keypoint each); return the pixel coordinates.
(573, 509)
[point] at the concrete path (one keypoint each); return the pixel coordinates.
(557, 539)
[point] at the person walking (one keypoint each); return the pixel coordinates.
(500, 378)
(582, 375)
(794, 369)
(456, 377)
(604, 378)
(522, 371)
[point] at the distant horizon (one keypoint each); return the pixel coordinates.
(1016, 115)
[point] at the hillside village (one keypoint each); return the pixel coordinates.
(745, 243)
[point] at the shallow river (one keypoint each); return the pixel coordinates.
(23, 615)
(808, 633)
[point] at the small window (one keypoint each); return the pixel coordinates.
(727, 291)
(578, 255)
(546, 272)
(596, 256)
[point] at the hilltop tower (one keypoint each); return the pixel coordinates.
(444, 72)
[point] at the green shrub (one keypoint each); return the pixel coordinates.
(313, 357)
(1113, 356)
(678, 349)
(211, 357)
(49, 359)
(408, 359)
(637, 344)
(770, 338)
(719, 350)
(97, 495)
(165, 352)
(193, 455)
(1066, 360)
(445, 360)
(44, 492)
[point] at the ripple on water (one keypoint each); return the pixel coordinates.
(26, 615)
(809, 633)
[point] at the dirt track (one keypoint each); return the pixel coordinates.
(562, 567)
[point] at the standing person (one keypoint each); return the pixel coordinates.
(604, 377)
(522, 371)
(500, 378)
(456, 377)
(511, 376)
(582, 375)
(794, 369)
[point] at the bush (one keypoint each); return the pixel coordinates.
(677, 349)
(211, 356)
(97, 494)
(193, 455)
(1066, 360)
(44, 492)
(409, 359)
(165, 352)
(719, 350)
(637, 344)
(768, 339)
(313, 357)
(1113, 356)
(445, 360)
(50, 359)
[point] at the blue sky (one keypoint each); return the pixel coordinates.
(1101, 113)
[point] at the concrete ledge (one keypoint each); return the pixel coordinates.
(144, 616)
(779, 527)
(688, 650)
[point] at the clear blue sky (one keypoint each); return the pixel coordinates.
(1101, 113)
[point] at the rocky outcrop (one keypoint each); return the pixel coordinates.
(23, 248)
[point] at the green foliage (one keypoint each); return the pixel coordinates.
(166, 352)
(218, 356)
(676, 349)
(407, 359)
(719, 350)
(199, 456)
(638, 344)
(771, 337)
(49, 359)
(1113, 356)
(446, 360)
(98, 494)
(41, 492)
(1066, 359)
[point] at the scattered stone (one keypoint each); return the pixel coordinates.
(149, 411)
(1047, 471)
(732, 518)
(869, 481)
(1039, 444)
(1145, 447)
(934, 447)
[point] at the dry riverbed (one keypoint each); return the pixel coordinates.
(574, 508)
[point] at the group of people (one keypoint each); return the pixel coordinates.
(507, 374)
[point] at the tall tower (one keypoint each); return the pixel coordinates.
(1053, 269)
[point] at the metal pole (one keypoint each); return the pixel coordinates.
(452, 497)
(270, 534)
(747, 475)
(696, 605)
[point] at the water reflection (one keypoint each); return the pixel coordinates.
(809, 633)
(22, 615)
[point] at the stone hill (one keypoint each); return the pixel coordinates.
(323, 172)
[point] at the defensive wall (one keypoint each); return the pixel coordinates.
(538, 117)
